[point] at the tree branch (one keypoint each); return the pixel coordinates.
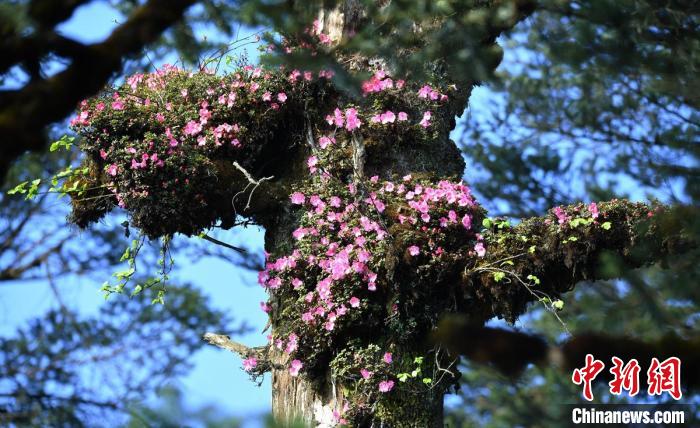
(539, 258)
(510, 352)
(261, 353)
(25, 112)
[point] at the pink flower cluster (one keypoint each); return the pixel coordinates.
(349, 119)
(379, 82)
(428, 92)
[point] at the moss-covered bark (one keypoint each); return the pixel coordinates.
(542, 257)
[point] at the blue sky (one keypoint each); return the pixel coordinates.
(217, 376)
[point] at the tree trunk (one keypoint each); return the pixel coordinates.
(295, 398)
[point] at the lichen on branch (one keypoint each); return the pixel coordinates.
(541, 258)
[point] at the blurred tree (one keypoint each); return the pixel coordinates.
(592, 101)
(65, 369)
(171, 412)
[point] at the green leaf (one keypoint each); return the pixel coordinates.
(33, 189)
(137, 290)
(580, 221)
(64, 143)
(607, 225)
(534, 279)
(498, 276)
(403, 377)
(20, 188)
(532, 249)
(487, 223)
(558, 305)
(126, 255)
(427, 380)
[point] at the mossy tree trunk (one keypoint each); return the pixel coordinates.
(294, 398)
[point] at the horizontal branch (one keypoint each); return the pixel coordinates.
(260, 353)
(543, 257)
(25, 112)
(510, 352)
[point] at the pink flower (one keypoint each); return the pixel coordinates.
(281, 97)
(296, 283)
(193, 128)
(112, 170)
(249, 363)
(335, 202)
(292, 344)
(294, 75)
(424, 91)
(354, 302)
(593, 208)
(325, 141)
(298, 198)
(425, 122)
(352, 121)
(387, 117)
(386, 385)
(413, 250)
(403, 116)
(366, 374)
(311, 162)
(338, 118)
(118, 105)
(267, 96)
(294, 367)
(160, 117)
(467, 221)
(387, 358)
(480, 250)
(561, 215)
(265, 307)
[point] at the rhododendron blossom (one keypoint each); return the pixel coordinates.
(386, 385)
(298, 198)
(249, 363)
(295, 367)
(352, 121)
(480, 250)
(425, 122)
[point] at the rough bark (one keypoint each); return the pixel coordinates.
(295, 397)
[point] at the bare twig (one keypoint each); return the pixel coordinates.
(261, 353)
(251, 182)
(223, 244)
